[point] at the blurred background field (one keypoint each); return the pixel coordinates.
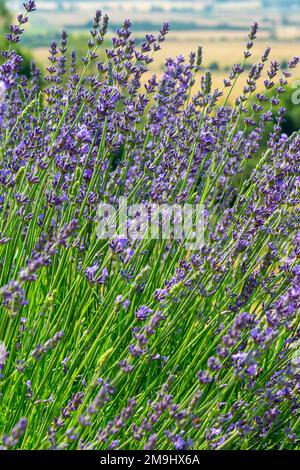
(220, 26)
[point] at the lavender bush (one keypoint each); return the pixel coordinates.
(144, 344)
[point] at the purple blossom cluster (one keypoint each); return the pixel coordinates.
(144, 344)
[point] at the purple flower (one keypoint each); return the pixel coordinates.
(213, 363)
(16, 434)
(204, 377)
(178, 441)
(142, 313)
(2, 92)
(50, 344)
(93, 276)
(151, 441)
(113, 444)
(13, 297)
(30, 6)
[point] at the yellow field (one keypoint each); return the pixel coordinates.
(224, 50)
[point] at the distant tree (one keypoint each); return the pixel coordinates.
(292, 117)
(214, 66)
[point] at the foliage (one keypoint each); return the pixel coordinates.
(5, 20)
(134, 343)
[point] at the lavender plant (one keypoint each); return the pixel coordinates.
(144, 344)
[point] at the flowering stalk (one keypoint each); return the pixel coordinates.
(144, 343)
